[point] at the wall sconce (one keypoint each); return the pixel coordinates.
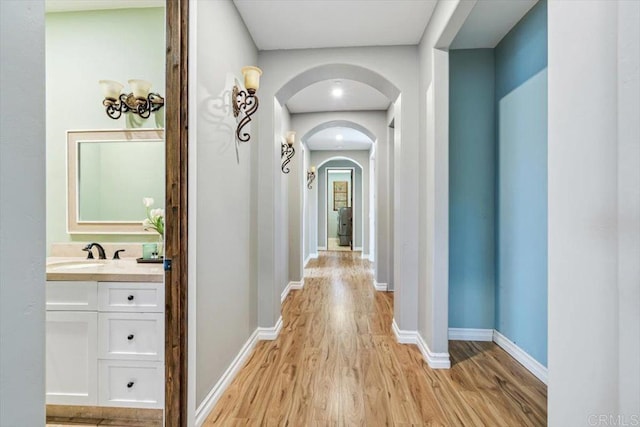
(311, 175)
(287, 151)
(247, 102)
(140, 101)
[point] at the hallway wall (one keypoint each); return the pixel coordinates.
(22, 213)
(521, 110)
(472, 189)
(594, 212)
(222, 218)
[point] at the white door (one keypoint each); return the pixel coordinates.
(72, 360)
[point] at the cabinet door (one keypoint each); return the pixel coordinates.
(72, 360)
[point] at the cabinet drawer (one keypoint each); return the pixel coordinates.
(131, 384)
(136, 297)
(138, 336)
(71, 296)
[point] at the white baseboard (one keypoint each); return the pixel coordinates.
(380, 286)
(322, 248)
(469, 334)
(532, 365)
(366, 256)
(435, 360)
(290, 286)
(220, 387)
(270, 334)
(357, 248)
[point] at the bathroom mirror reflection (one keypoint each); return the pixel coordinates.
(109, 173)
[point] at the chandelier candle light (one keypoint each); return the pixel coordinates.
(311, 175)
(246, 102)
(287, 151)
(140, 101)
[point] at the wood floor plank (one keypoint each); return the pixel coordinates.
(337, 363)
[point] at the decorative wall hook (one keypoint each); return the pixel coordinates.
(287, 151)
(246, 102)
(140, 101)
(311, 175)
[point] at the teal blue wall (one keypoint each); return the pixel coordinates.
(498, 186)
(472, 189)
(521, 107)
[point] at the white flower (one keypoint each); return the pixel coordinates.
(156, 213)
(147, 201)
(146, 223)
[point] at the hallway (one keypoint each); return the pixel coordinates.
(336, 362)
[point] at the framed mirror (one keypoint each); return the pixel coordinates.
(109, 172)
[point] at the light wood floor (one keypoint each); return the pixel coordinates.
(337, 363)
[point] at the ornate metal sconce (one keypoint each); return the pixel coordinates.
(246, 102)
(287, 151)
(140, 101)
(311, 175)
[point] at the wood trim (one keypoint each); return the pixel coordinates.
(176, 121)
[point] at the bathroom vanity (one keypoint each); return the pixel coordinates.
(104, 333)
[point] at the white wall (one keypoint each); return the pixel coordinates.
(22, 213)
(222, 224)
(594, 212)
(393, 70)
(79, 52)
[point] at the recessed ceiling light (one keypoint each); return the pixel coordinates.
(337, 92)
(339, 137)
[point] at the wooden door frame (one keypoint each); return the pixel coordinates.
(176, 161)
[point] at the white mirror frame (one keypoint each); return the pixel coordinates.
(74, 226)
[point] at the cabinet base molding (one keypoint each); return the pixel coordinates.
(134, 417)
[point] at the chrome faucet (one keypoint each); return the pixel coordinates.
(101, 253)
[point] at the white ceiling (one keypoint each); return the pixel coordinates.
(357, 96)
(287, 24)
(489, 21)
(326, 139)
(72, 5)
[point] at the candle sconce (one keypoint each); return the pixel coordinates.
(140, 101)
(311, 175)
(287, 151)
(246, 102)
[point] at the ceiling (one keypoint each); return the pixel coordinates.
(72, 5)
(326, 139)
(489, 21)
(356, 96)
(287, 24)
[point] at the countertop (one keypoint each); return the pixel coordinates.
(119, 270)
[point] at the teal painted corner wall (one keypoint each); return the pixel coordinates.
(472, 190)
(521, 108)
(498, 186)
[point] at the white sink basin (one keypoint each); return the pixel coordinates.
(73, 265)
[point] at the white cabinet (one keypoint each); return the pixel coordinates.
(105, 344)
(71, 357)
